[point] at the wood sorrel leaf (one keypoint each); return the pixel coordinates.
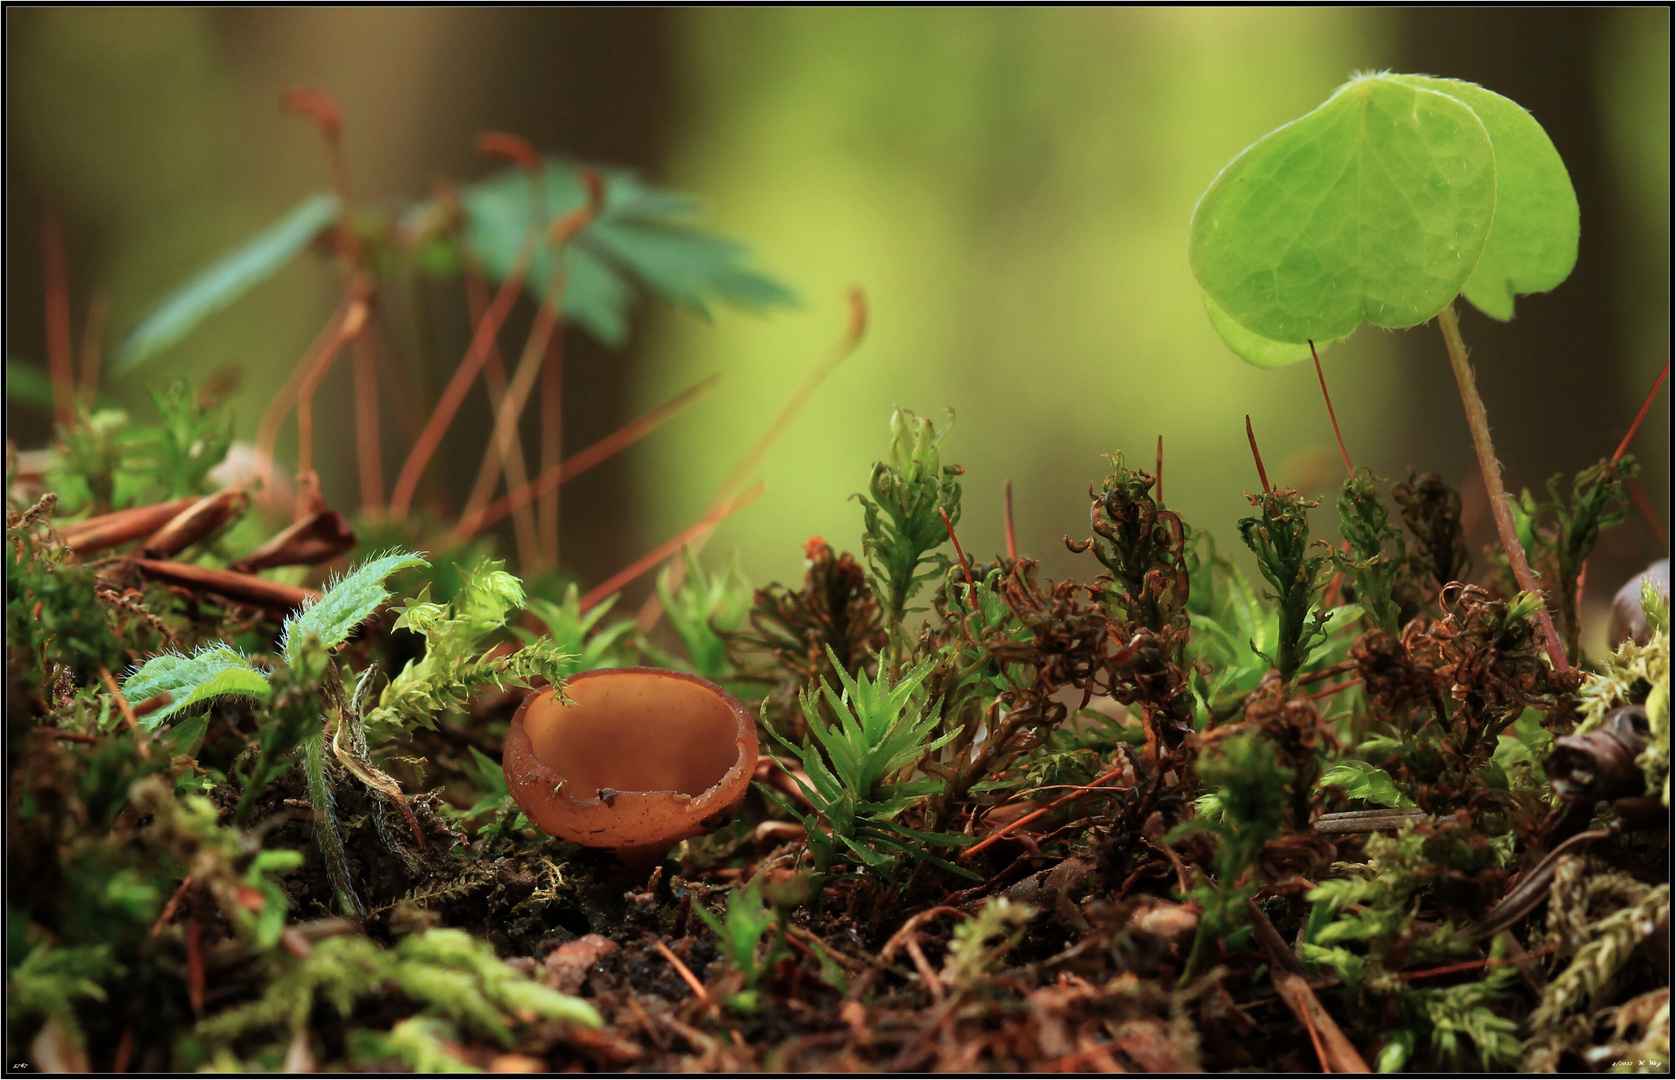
(1375, 206)
(1533, 238)
(1253, 348)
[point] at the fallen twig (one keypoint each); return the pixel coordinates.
(682, 970)
(243, 588)
(1336, 1052)
(1355, 821)
(123, 526)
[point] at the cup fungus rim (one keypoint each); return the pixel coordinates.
(530, 777)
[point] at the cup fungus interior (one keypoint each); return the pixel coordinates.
(636, 734)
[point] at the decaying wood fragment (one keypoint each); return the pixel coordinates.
(1355, 821)
(202, 518)
(120, 527)
(317, 538)
(241, 588)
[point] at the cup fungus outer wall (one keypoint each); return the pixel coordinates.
(638, 760)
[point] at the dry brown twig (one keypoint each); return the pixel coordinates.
(1336, 1052)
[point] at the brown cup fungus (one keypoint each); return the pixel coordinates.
(638, 760)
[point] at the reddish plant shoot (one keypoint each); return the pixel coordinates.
(1251, 437)
(1664, 373)
(1331, 415)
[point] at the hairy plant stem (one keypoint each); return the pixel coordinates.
(1479, 421)
(326, 833)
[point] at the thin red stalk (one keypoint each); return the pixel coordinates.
(124, 1050)
(353, 322)
(267, 431)
(399, 372)
(1478, 421)
(1332, 591)
(1012, 537)
(1331, 415)
(670, 547)
(1638, 495)
(965, 565)
(511, 408)
(324, 110)
(1251, 437)
(1331, 690)
(552, 444)
(142, 743)
(59, 351)
(544, 550)
(1323, 673)
(170, 908)
(93, 348)
(548, 320)
(1032, 816)
(1314, 1035)
(425, 447)
(520, 152)
(547, 317)
(195, 965)
(494, 379)
(1664, 373)
(855, 327)
(368, 449)
(622, 438)
(1474, 965)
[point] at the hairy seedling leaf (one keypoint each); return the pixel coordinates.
(346, 604)
(216, 671)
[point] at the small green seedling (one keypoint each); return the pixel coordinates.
(220, 671)
(1396, 195)
(981, 941)
(738, 933)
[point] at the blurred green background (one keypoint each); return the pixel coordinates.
(1011, 188)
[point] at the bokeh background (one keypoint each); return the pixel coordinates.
(1011, 188)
